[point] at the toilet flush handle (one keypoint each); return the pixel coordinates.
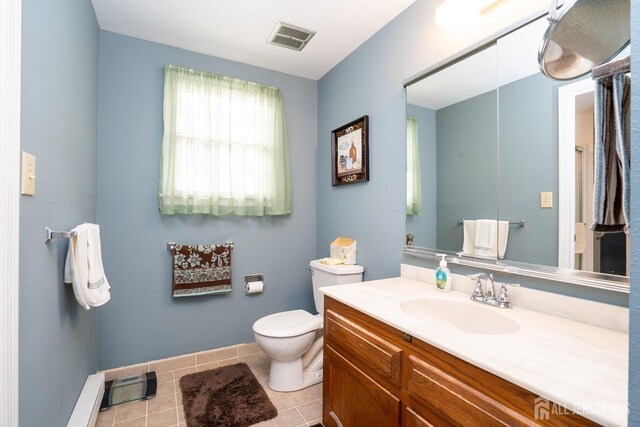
(310, 270)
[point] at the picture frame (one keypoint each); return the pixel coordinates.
(350, 152)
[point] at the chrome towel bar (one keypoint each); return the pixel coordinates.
(520, 223)
(58, 234)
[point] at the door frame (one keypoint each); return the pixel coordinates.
(10, 90)
(566, 169)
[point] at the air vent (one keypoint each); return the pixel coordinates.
(290, 36)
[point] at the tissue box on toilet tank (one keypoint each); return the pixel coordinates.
(343, 248)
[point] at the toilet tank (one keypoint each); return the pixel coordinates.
(330, 275)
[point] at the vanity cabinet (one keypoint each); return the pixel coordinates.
(375, 375)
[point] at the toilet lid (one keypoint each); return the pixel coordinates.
(287, 324)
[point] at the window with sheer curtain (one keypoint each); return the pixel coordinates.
(414, 187)
(224, 147)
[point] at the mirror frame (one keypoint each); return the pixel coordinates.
(577, 277)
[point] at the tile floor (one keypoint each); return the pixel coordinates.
(299, 408)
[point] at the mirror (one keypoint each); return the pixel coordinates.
(511, 152)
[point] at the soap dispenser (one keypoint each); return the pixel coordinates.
(443, 275)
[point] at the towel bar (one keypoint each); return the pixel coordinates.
(171, 246)
(520, 223)
(58, 234)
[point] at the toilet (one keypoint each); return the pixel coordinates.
(293, 339)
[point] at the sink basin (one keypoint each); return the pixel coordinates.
(466, 316)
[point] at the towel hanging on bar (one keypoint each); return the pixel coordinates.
(201, 269)
(611, 190)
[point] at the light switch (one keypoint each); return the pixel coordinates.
(546, 199)
(28, 186)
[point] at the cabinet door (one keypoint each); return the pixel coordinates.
(352, 399)
(415, 420)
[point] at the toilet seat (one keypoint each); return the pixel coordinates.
(287, 324)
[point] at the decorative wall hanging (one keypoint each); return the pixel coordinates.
(350, 152)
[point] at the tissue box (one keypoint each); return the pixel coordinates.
(343, 248)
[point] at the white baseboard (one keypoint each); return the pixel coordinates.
(87, 407)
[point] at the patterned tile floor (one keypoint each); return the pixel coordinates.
(298, 408)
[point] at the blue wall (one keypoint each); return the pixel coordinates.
(634, 303)
(423, 225)
(528, 165)
(467, 149)
(142, 321)
(369, 81)
(59, 126)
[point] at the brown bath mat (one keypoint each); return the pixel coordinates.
(229, 396)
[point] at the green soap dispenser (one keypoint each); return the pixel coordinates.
(443, 275)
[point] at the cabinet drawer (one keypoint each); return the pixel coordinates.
(377, 355)
(444, 394)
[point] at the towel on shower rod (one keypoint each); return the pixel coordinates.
(201, 270)
(83, 267)
(612, 154)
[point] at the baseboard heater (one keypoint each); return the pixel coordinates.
(86, 410)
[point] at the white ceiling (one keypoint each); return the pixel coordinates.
(238, 30)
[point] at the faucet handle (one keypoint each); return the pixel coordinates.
(503, 298)
(477, 294)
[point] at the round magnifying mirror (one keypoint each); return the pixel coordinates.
(585, 34)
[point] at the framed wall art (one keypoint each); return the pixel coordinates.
(350, 152)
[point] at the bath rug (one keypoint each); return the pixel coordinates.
(201, 270)
(229, 396)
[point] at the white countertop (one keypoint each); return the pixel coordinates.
(580, 366)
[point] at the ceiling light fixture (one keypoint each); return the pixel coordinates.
(462, 12)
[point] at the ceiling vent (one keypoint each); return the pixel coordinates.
(290, 36)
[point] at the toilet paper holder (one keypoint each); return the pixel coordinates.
(249, 278)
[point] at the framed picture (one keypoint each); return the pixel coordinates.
(350, 152)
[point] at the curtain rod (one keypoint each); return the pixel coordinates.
(622, 65)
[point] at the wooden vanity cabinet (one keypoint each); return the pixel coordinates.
(375, 375)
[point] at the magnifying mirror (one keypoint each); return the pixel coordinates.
(582, 35)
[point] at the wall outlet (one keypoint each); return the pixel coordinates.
(28, 181)
(546, 199)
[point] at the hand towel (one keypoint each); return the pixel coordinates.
(201, 270)
(84, 269)
(612, 154)
(503, 236)
(486, 243)
(469, 242)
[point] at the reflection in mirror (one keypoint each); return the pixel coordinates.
(499, 143)
(455, 111)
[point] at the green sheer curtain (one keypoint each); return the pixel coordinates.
(224, 147)
(414, 187)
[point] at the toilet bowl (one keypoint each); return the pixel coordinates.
(293, 339)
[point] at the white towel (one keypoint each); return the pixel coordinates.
(503, 236)
(83, 267)
(469, 243)
(491, 238)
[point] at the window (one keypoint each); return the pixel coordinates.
(414, 187)
(224, 148)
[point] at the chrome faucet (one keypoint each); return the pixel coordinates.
(484, 291)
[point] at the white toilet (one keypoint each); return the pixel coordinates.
(293, 339)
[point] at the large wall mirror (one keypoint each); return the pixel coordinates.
(500, 163)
